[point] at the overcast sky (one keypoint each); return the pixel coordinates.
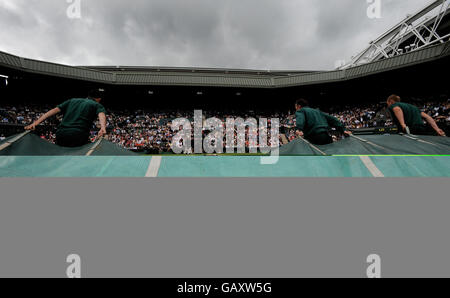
(255, 34)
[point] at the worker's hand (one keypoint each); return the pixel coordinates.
(440, 132)
(299, 133)
(31, 126)
(348, 133)
(404, 127)
(101, 133)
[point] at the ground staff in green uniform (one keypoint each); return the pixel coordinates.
(406, 115)
(315, 125)
(79, 115)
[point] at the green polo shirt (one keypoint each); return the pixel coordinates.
(312, 122)
(78, 115)
(411, 113)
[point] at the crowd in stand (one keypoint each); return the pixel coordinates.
(151, 130)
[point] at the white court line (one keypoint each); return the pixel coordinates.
(415, 138)
(94, 147)
(9, 143)
(153, 167)
(367, 142)
(371, 167)
(312, 146)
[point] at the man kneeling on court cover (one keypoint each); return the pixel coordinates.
(79, 115)
(407, 116)
(314, 125)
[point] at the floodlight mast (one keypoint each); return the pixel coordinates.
(422, 26)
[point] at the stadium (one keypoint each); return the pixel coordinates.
(411, 59)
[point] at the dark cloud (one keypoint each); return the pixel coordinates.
(261, 34)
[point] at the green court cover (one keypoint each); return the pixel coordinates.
(27, 155)
(372, 145)
(32, 145)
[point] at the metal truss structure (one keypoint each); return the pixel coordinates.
(413, 33)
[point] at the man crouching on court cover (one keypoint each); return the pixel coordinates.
(406, 116)
(79, 115)
(314, 125)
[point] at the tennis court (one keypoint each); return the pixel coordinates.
(368, 156)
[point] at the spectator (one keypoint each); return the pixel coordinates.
(151, 130)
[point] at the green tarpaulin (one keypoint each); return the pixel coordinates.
(377, 156)
(373, 145)
(32, 145)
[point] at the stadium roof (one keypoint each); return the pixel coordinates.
(160, 76)
(429, 26)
